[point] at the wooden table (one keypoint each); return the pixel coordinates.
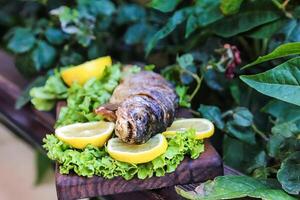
(28, 123)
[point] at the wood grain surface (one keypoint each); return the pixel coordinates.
(207, 166)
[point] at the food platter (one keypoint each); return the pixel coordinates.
(207, 166)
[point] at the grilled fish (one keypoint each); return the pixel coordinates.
(142, 105)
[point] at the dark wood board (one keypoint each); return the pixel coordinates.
(207, 166)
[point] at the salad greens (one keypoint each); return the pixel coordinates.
(81, 100)
(96, 161)
(44, 97)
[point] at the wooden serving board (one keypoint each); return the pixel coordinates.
(207, 166)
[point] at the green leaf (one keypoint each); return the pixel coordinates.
(267, 30)
(149, 67)
(230, 7)
(43, 104)
(287, 129)
(281, 82)
(242, 22)
(208, 12)
(43, 55)
(55, 36)
(291, 31)
(102, 7)
(41, 93)
(66, 15)
(43, 98)
(241, 133)
(178, 17)
(259, 161)
(191, 25)
(237, 154)
(128, 13)
(212, 113)
(21, 41)
(43, 164)
(71, 58)
(274, 144)
(24, 98)
(235, 93)
(24, 64)
(288, 174)
(242, 117)
(135, 34)
(230, 187)
(164, 5)
(205, 13)
(214, 80)
(185, 60)
(184, 98)
(282, 111)
(287, 49)
(158, 162)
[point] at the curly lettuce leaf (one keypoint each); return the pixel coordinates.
(43, 98)
(96, 161)
(82, 100)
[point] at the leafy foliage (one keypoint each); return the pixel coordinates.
(231, 187)
(281, 82)
(44, 97)
(230, 6)
(25, 97)
(164, 6)
(22, 40)
(283, 50)
(289, 173)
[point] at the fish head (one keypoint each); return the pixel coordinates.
(133, 123)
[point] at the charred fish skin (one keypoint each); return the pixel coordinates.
(146, 106)
(138, 118)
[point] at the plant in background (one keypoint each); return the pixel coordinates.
(79, 32)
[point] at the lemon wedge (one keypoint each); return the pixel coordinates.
(137, 153)
(79, 135)
(204, 128)
(84, 72)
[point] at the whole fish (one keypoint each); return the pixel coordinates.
(143, 105)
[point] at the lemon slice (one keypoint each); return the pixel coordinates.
(137, 153)
(204, 128)
(79, 135)
(84, 72)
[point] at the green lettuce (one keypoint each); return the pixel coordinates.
(96, 161)
(44, 97)
(82, 100)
